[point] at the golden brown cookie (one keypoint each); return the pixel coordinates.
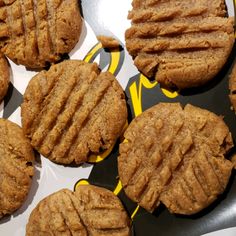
(4, 76)
(90, 210)
(181, 43)
(175, 155)
(36, 33)
(232, 87)
(72, 111)
(108, 42)
(16, 170)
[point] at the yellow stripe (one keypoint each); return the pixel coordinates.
(92, 52)
(136, 93)
(135, 212)
(144, 81)
(115, 58)
(98, 158)
(118, 188)
(136, 101)
(81, 182)
(169, 94)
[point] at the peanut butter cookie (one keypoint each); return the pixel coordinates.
(90, 210)
(175, 155)
(73, 110)
(16, 170)
(181, 43)
(36, 33)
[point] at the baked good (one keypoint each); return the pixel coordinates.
(175, 155)
(16, 167)
(108, 42)
(90, 210)
(36, 33)
(72, 111)
(232, 87)
(181, 43)
(4, 76)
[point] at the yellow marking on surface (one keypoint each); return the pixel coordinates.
(118, 188)
(92, 52)
(136, 93)
(114, 63)
(169, 94)
(98, 158)
(125, 141)
(135, 212)
(135, 98)
(81, 182)
(146, 82)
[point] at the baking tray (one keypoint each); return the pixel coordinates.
(109, 17)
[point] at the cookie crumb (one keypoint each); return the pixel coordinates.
(108, 42)
(233, 160)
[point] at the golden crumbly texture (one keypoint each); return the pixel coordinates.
(90, 210)
(4, 76)
(233, 159)
(108, 42)
(35, 33)
(181, 43)
(72, 111)
(16, 170)
(232, 87)
(175, 156)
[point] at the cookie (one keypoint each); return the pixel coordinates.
(175, 155)
(182, 44)
(232, 87)
(90, 210)
(16, 167)
(37, 33)
(108, 42)
(4, 76)
(72, 111)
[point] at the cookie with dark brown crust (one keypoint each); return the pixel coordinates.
(182, 44)
(175, 155)
(90, 210)
(4, 76)
(36, 33)
(16, 170)
(72, 111)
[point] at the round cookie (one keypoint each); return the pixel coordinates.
(175, 155)
(232, 87)
(16, 170)
(4, 76)
(181, 43)
(37, 33)
(90, 210)
(72, 111)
